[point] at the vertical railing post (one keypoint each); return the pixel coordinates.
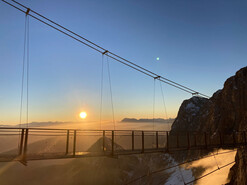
(244, 137)
(188, 140)
(209, 140)
(221, 143)
(112, 144)
(157, 139)
(103, 141)
(25, 146)
(67, 143)
(74, 146)
(142, 141)
(177, 141)
(195, 140)
(167, 141)
(133, 140)
(21, 142)
(205, 139)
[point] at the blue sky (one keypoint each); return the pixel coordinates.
(200, 44)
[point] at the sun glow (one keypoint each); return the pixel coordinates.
(83, 115)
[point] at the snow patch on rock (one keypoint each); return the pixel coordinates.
(191, 107)
(178, 174)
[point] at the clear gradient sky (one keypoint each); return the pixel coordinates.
(200, 44)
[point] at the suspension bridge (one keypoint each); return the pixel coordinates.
(27, 144)
(44, 143)
(160, 140)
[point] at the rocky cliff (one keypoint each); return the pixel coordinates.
(225, 111)
(238, 172)
(188, 118)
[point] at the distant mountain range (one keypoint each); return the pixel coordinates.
(159, 120)
(43, 124)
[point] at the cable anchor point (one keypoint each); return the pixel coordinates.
(157, 77)
(27, 12)
(195, 93)
(106, 51)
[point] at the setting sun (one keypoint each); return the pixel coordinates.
(83, 115)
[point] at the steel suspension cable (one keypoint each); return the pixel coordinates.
(53, 27)
(101, 90)
(163, 98)
(153, 104)
(109, 77)
(182, 163)
(189, 89)
(102, 47)
(213, 171)
(22, 77)
(111, 54)
(27, 71)
(59, 25)
(153, 112)
(181, 174)
(216, 162)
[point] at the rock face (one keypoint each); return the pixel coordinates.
(188, 115)
(225, 111)
(238, 172)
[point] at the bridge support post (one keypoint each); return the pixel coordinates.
(195, 140)
(133, 140)
(112, 144)
(74, 146)
(21, 142)
(67, 143)
(188, 140)
(167, 141)
(157, 139)
(142, 141)
(103, 141)
(24, 155)
(221, 141)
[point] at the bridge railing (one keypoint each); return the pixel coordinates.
(37, 143)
